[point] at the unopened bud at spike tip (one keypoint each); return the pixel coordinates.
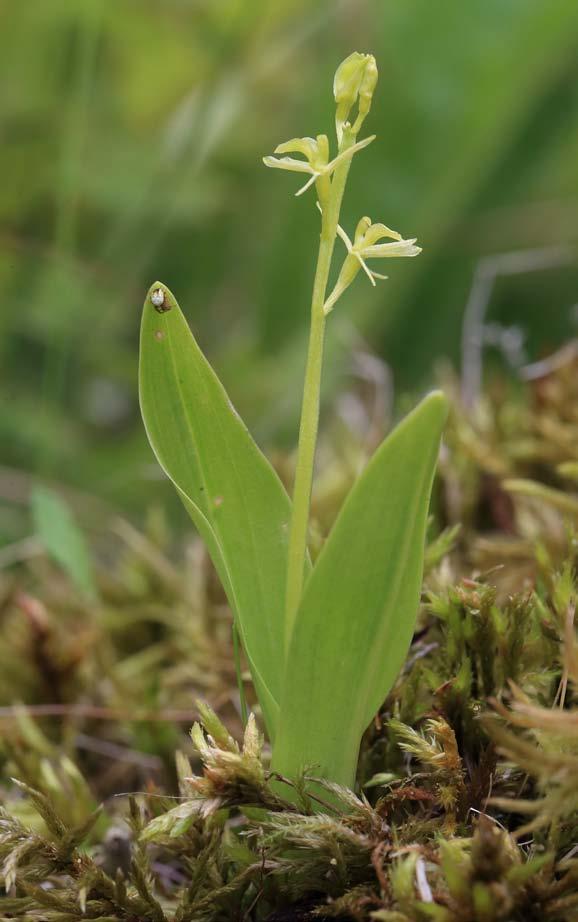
(354, 82)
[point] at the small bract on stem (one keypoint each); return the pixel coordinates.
(353, 86)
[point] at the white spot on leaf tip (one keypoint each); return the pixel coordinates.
(159, 301)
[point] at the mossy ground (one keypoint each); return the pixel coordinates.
(467, 802)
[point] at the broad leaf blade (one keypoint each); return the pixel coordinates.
(227, 485)
(357, 615)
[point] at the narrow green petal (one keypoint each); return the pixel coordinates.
(399, 248)
(288, 163)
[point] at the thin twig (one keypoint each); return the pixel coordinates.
(487, 271)
(117, 753)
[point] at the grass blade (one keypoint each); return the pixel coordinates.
(357, 615)
(63, 540)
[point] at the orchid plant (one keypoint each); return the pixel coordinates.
(324, 642)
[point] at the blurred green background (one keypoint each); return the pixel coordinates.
(132, 133)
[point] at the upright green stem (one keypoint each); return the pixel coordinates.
(297, 552)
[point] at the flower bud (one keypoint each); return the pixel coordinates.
(354, 81)
(368, 84)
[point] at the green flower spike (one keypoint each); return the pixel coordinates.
(364, 247)
(317, 162)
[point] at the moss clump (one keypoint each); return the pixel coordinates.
(232, 847)
(472, 814)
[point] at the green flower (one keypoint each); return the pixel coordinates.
(365, 246)
(316, 163)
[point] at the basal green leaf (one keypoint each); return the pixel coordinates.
(357, 615)
(62, 538)
(227, 485)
